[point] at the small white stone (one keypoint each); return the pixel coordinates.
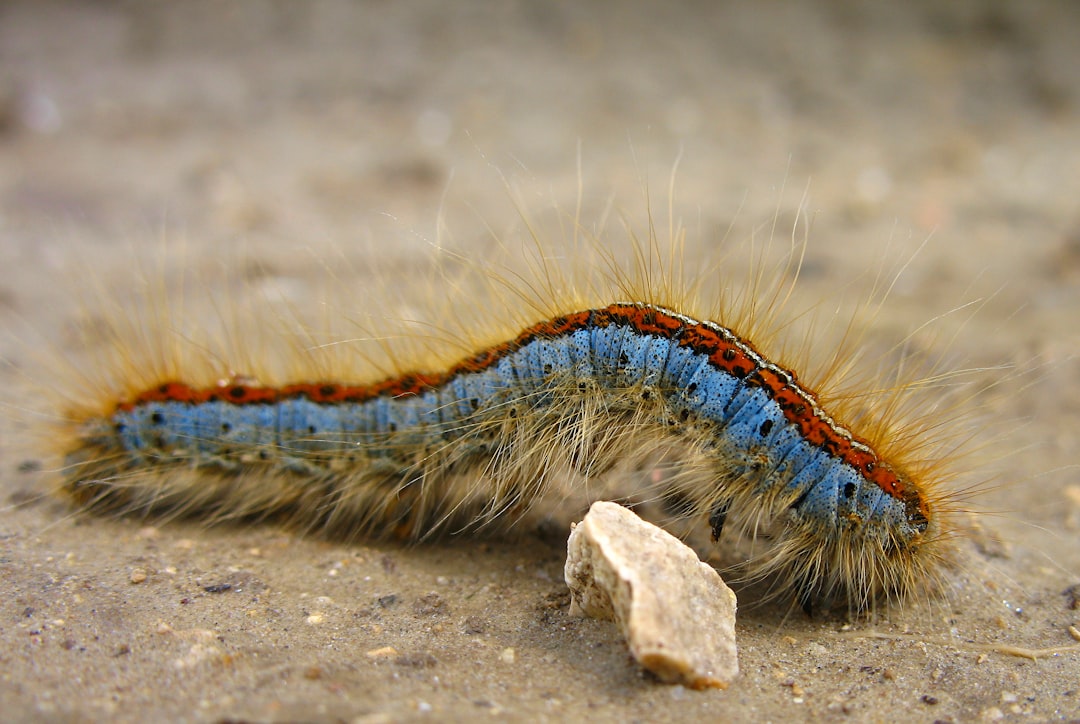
(384, 652)
(676, 613)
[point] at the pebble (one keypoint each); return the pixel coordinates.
(675, 612)
(384, 652)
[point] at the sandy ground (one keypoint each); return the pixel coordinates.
(289, 128)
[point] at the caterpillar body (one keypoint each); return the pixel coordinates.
(480, 441)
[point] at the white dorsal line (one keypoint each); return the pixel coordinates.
(763, 363)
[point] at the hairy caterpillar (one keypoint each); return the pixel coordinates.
(597, 373)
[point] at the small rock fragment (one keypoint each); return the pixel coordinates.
(676, 613)
(199, 654)
(430, 605)
(385, 652)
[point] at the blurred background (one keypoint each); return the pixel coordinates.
(303, 119)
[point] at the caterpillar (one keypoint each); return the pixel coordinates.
(598, 376)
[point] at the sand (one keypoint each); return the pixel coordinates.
(287, 130)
